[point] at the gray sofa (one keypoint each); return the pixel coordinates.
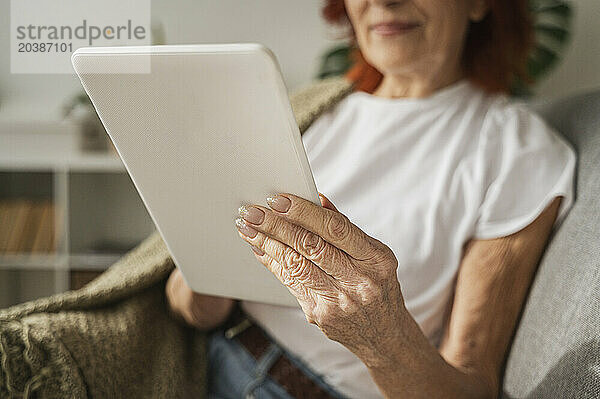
(556, 349)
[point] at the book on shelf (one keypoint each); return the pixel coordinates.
(44, 237)
(31, 227)
(27, 226)
(17, 225)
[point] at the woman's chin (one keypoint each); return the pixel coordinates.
(384, 62)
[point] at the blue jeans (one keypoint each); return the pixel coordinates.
(233, 373)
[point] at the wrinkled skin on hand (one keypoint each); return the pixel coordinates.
(344, 280)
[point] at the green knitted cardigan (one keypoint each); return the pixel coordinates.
(114, 337)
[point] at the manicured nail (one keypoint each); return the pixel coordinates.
(257, 250)
(244, 228)
(279, 203)
(252, 214)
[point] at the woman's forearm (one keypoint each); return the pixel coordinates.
(412, 368)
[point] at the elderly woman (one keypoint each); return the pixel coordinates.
(445, 193)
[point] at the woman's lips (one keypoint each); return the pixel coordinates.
(393, 28)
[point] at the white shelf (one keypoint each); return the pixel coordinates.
(34, 262)
(28, 151)
(83, 163)
(98, 207)
(92, 261)
(96, 262)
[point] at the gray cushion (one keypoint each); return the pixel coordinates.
(556, 350)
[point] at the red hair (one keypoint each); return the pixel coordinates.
(494, 55)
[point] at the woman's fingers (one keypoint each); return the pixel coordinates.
(326, 203)
(332, 226)
(291, 268)
(328, 258)
(302, 294)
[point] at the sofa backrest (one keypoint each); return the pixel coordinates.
(556, 350)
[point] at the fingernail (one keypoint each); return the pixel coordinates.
(252, 214)
(244, 228)
(279, 203)
(257, 250)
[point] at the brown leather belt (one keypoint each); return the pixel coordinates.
(283, 371)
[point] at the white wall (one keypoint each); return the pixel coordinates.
(293, 29)
(580, 68)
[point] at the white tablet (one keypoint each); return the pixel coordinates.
(203, 130)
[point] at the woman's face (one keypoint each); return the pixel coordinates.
(413, 36)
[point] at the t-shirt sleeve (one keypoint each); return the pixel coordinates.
(525, 166)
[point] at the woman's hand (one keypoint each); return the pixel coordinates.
(201, 311)
(344, 280)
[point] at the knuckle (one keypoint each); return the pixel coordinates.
(338, 226)
(279, 253)
(314, 245)
(346, 303)
(292, 283)
(377, 248)
(384, 271)
(296, 265)
(385, 251)
(375, 251)
(371, 292)
(390, 270)
(286, 277)
(382, 259)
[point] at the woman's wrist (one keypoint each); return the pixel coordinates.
(396, 346)
(404, 365)
(389, 348)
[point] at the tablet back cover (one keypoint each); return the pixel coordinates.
(206, 130)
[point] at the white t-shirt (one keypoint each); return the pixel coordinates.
(423, 176)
